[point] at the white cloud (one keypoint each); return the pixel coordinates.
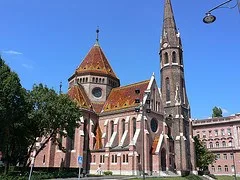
(27, 66)
(12, 52)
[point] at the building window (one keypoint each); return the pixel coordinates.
(230, 143)
(174, 59)
(224, 144)
(226, 168)
(123, 126)
(231, 155)
(139, 158)
(217, 156)
(204, 134)
(223, 132)
(198, 134)
(216, 132)
(71, 143)
(219, 168)
(229, 132)
(224, 156)
(213, 169)
(217, 144)
(112, 128)
(101, 158)
(167, 89)
(44, 159)
(232, 167)
(210, 133)
(93, 158)
(114, 158)
(166, 58)
(134, 125)
(125, 158)
(210, 145)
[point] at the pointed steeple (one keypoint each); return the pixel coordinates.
(170, 34)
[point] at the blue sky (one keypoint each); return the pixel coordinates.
(44, 41)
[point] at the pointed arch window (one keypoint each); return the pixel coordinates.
(166, 61)
(123, 126)
(174, 59)
(167, 89)
(134, 125)
(112, 128)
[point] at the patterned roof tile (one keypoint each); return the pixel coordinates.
(96, 62)
(124, 97)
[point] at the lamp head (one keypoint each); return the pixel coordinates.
(209, 18)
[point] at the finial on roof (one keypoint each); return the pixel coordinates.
(153, 74)
(60, 88)
(97, 37)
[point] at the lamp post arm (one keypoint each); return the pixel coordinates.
(219, 6)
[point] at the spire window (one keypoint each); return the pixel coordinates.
(174, 59)
(166, 61)
(167, 89)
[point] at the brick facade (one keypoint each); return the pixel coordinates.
(121, 135)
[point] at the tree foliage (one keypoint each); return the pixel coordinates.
(12, 115)
(204, 157)
(28, 117)
(216, 112)
(51, 114)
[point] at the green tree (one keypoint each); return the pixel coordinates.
(204, 157)
(216, 112)
(12, 116)
(51, 114)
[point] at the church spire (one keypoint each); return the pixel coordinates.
(170, 33)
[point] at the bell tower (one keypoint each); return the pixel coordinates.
(173, 89)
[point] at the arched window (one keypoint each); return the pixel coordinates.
(217, 144)
(219, 168)
(166, 58)
(123, 126)
(230, 143)
(167, 89)
(112, 127)
(210, 145)
(224, 144)
(213, 169)
(174, 59)
(134, 125)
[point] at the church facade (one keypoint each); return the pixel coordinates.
(134, 128)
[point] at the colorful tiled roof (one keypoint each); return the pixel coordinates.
(124, 97)
(97, 106)
(95, 63)
(78, 94)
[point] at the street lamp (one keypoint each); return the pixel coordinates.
(142, 109)
(209, 18)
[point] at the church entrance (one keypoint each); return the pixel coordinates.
(163, 159)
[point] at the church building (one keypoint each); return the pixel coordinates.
(129, 129)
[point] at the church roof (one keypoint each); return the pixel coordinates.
(96, 63)
(78, 95)
(124, 97)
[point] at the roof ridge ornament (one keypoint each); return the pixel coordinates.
(97, 37)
